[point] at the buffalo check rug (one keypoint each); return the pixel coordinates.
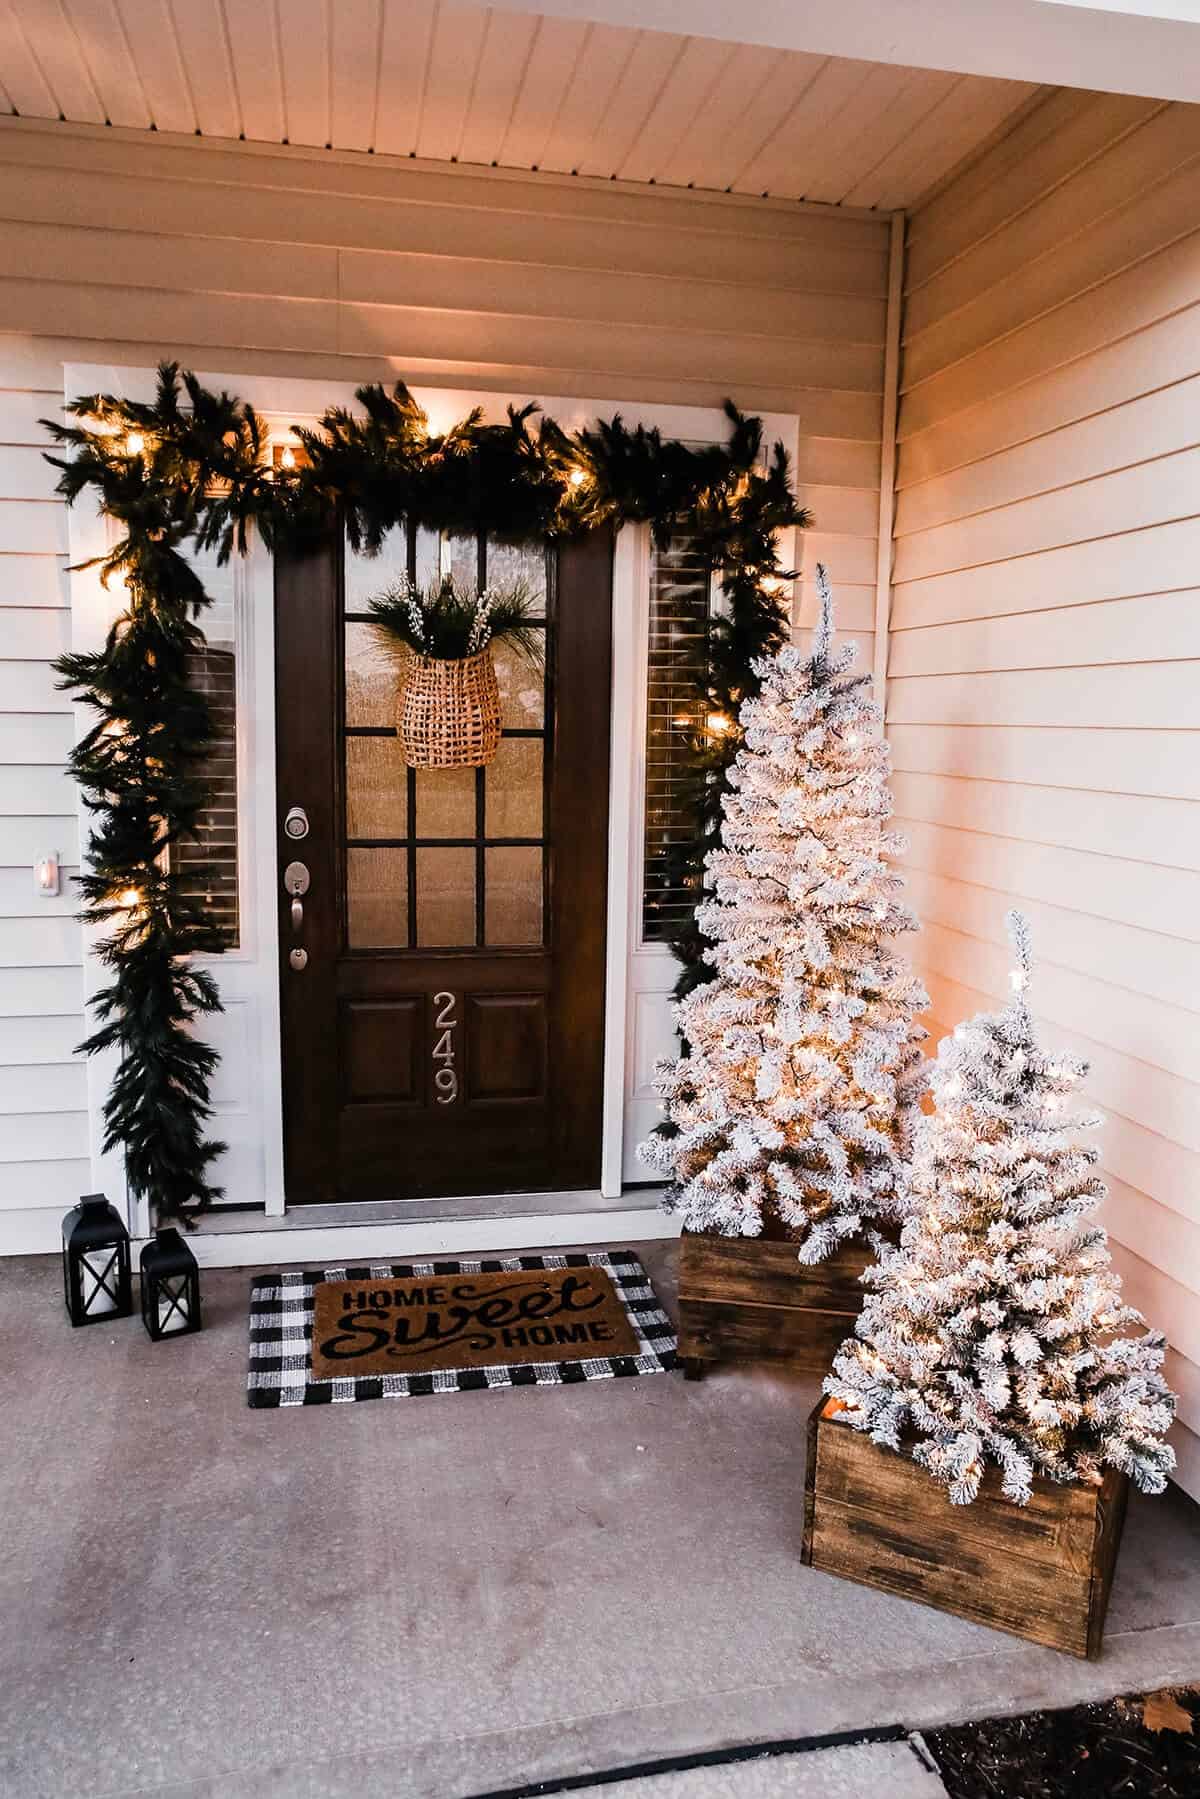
(397, 1330)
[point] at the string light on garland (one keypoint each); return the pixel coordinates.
(193, 470)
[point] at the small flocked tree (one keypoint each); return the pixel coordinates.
(802, 1073)
(996, 1331)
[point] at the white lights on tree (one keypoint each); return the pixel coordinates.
(803, 1072)
(996, 1332)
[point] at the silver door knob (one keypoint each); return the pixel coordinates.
(298, 960)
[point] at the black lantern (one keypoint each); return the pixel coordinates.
(96, 1262)
(170, 1286)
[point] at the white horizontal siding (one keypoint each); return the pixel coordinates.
(1045, 655)
(278, 264)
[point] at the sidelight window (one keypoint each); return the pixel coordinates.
(676, 715)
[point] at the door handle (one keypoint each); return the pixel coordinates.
(296, 881)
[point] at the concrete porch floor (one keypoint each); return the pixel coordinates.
(446, 1596)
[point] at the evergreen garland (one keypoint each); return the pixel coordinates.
(191, 471)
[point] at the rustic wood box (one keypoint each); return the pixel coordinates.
(750, 1299)
(1042, 1571)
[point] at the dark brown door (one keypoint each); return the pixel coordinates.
(445, 1032)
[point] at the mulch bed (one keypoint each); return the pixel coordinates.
(1143, 1747)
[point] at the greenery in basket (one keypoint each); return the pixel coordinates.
(450, 621)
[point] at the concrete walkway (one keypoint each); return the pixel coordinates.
(454, 1595)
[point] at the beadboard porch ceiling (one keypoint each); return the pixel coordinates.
(521, 90)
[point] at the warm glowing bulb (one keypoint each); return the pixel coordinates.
(287, 457)
(577, 477)
(131, 897)
(852, 739)
(135, 443)
(718, 724)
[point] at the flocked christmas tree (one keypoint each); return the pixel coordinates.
(996, 1331)
(801, 1076)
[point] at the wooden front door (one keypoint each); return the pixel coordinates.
(444, 1033)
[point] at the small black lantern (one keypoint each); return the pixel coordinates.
(170, 1286)
(96, 1262)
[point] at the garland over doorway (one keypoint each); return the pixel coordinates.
(192, 470)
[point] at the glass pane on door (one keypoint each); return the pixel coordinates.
(444, 858)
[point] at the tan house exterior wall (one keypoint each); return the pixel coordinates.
(1044, 656)
(119, 248)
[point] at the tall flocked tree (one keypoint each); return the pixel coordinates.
(996, 1331)
(801, 1077)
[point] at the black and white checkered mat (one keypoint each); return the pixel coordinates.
(281, 1313)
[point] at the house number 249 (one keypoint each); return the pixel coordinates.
(445, 1076)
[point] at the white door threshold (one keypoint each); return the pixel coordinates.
(404, 1230)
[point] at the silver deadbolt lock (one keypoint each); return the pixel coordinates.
(295, 825)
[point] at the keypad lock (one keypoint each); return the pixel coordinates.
(296, 882)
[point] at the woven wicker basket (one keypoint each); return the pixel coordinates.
(449, 713)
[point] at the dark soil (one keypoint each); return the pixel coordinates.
(1145, 1747)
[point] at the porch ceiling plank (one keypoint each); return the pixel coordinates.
(354, 73)
(205, 50)
(404, 45)
(55, 45)
(968, 113)
(874, 129)
(101, 38)
(721, 134)
(586, 88)
(154, 44)
(503, 58)
(256, 60)
(459, 36)
(25, 85)
(559, 51)
(686, 95)
(304, 33)
(786, 153)
(652, 62)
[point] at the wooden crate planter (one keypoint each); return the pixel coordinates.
(1041, 1571)
(750, 1299)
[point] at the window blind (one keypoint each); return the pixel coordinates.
(676, 714)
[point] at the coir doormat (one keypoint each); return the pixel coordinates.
(390, 1330)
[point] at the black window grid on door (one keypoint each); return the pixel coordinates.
(479, 841)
